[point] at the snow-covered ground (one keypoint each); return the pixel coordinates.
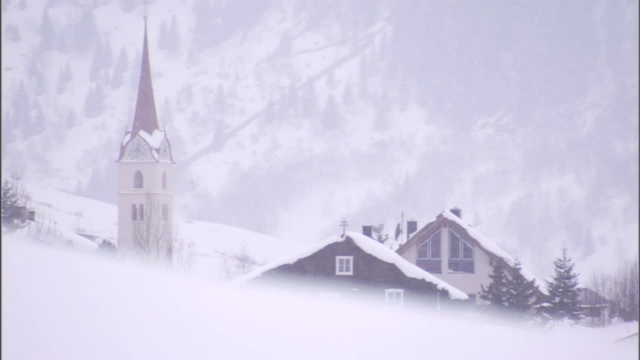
(62, 304)
(212, 249)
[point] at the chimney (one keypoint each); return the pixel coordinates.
(367, 230)
(457, 212)
(412, 226)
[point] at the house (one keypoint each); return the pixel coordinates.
(354, 265)
(456, 253)
(595, 307)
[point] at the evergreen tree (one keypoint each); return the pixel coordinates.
(40, 83)
(497, 292)
(521, 291)
(12, 208)
(71, 118)
(122, 65)
(331, 116)
(107, 55)
(62, 84)
(13, 33)
(309, 101)
(563, 290)
(220, 100)
(22, 109)
(347, 97)
(174, 35)
(47, 33)
(107, 247)
(94, 102)
(96, 62)
(86, 30)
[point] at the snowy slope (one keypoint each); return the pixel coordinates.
(211, 248)
(65, 305)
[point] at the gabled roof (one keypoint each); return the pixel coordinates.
(589, 297)
(370, 247)
(469, 233)
(145, 117)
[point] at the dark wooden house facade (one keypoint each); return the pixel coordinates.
(354, 266)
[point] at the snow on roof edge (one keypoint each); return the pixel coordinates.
(491, 247)
(385, 254)
(369, 246)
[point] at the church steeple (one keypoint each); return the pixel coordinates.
(145, 116)
(145, 178)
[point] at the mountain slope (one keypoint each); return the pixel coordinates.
(287, 116)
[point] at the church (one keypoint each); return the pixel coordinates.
(145, 179)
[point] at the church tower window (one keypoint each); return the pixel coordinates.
(134, 212)
(138, 180)
(164, 181)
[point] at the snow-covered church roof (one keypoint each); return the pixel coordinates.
(370, 247)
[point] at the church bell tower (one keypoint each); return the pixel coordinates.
(145, 179)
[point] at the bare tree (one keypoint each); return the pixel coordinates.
(182, 253)
(238, 263)
(244, 261)
(153, 235)
(621, 288)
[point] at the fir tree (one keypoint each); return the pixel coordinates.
(330, 115)
(12, 208)
(47, 33)
(122, 65)
(521, 292)
(496, 293)
(107, 247)
(563, 290)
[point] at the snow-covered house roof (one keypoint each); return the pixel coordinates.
(486, 244)
(370, 247)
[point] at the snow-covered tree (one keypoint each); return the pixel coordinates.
(497, 292)
(13, 210)
(563, 290)
(107, 247)
(94, 102)
(122, 65)
(47, 33)
(521, 292)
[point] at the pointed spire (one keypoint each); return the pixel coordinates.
(145, 117)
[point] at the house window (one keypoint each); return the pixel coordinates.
(394, 297)
(429, 257)
(134, 212)
(344, 265)
(141, 212)
(164, 180)
(165, 212)
(460, 254)
(138, 180)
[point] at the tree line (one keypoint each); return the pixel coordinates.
(510, 292)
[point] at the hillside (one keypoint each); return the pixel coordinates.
(211, 252)
(287, 116)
